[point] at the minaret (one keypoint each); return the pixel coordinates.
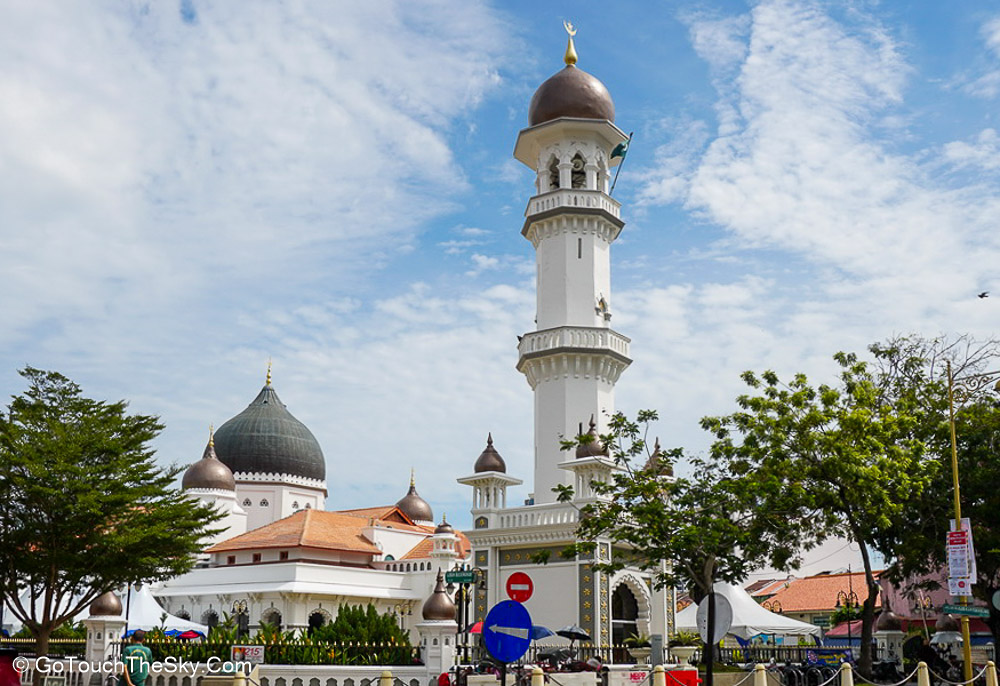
(574, 358)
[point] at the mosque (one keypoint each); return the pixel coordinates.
(284, 559)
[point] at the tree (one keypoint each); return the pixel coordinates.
(87, 510)
(849, 458)
(921, 363)
(684, 531)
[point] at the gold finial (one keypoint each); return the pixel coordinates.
(267, 381)
(413, 477)
(570, 57)
(211, 435)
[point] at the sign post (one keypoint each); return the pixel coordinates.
(507, 633)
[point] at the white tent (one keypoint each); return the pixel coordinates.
(749, 618)
(143, 612)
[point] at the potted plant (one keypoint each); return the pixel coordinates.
(639, 647)
(684, 645)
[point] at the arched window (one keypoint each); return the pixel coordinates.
(553, 174)
(247, 503)
(578, 175)
(264, 503)
(295, 506)
(271, 616)
(316, 620)
(210, 618)
(624, 613)
(184, 614)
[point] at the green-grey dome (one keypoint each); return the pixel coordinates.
(266, 439)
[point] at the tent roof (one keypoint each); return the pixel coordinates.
(749, 618)
(145, 613)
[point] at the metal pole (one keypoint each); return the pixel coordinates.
(962, 600)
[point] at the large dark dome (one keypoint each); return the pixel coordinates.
(571, 92)
(415, 507)
(266, 439)
(490, 460)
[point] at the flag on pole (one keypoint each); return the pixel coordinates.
(621, 149)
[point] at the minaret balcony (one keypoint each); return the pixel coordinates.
(573, 338)
(573, 199)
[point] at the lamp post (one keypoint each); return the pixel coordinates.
(772, 605)
(924, 603)
(242, 614)
(964, 389)
(850, 601)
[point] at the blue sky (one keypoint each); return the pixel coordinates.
(189, 188)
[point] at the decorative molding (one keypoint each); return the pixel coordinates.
(522, 556)
(574, 220)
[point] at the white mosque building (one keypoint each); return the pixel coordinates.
(283, 559)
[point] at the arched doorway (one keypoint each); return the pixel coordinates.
(624, 615)
(317, 619)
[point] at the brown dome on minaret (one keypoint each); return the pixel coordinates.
(415, 507)
(593, 447)
(106, 605)
(571, 92)
(209, 472)
(489, 460)
(439, 607)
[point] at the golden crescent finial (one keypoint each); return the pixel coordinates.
(570, 57)
(267, 381)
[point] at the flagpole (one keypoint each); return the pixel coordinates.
(619, 171)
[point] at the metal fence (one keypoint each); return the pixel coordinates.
(68, 647)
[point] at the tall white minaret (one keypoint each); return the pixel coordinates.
(574, 358)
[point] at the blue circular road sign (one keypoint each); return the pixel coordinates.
(507, 631)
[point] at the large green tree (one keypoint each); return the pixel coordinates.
(691, 531)
(849, 457)
(87, 509)
(921, 363)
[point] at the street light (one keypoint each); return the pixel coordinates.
(963, 390)
(848, 600)
(242, 614)
(772, 605)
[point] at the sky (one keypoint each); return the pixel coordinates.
(190, 189)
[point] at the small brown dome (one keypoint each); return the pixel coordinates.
(415, 507)
(888, 621)
(209, 472)
(571, 92)
(444, 527)
(106, 605)
(489, 460)
(593, 447)
(439, 607)
(947, 623)
(655, 462)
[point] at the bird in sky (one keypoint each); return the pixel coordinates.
(984, 294)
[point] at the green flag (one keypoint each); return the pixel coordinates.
(620, 150)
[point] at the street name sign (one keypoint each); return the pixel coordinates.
(461, 576)
(969, 610)
(507, 631)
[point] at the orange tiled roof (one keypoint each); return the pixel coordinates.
(819, 593)
(422, 550)
(305, 528)
(388, 513)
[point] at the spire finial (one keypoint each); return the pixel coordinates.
(489, 438)
(570, 57)
(413, 477)
(267, 381)
(211, 435)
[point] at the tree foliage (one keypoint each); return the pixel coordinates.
(848, 457)
(922, 526)
(362, 625)
(87, 510)
(690, 531)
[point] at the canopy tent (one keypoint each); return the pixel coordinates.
(749, 618)
(145, 613)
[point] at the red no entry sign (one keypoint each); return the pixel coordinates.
(519, 587)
